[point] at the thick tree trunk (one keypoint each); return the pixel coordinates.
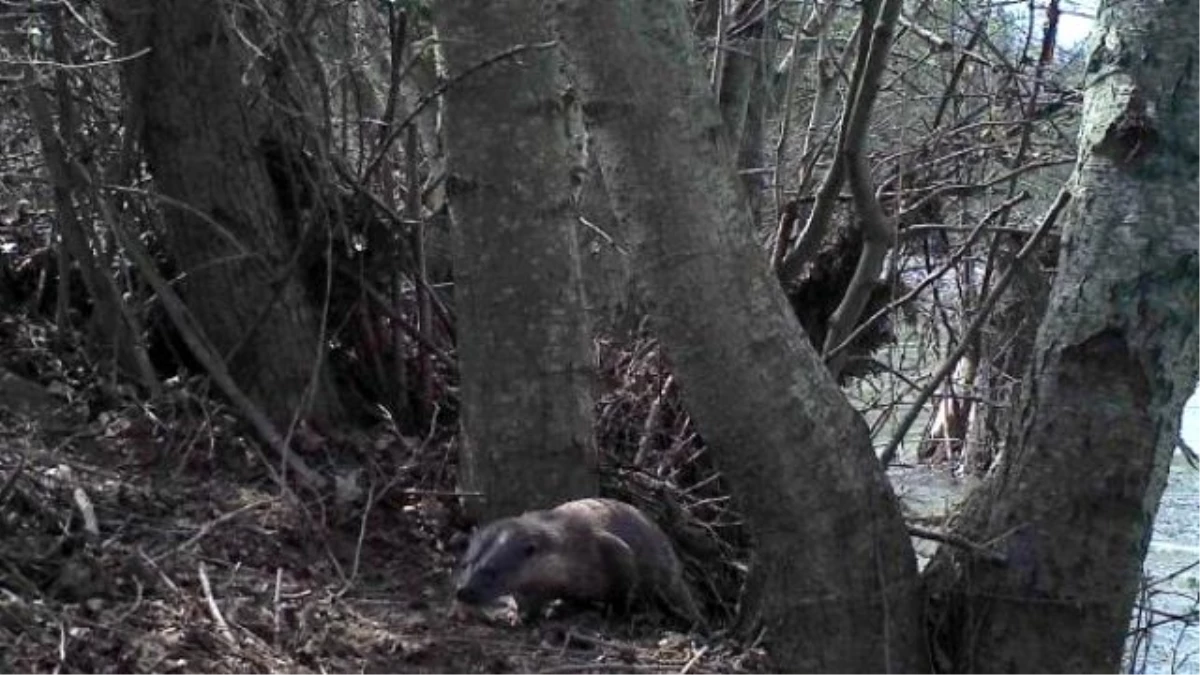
(1073, 500)
(835, 576)
(604, 253)
(203, 129)
(524, 352)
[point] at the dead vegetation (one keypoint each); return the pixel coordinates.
(148, 535)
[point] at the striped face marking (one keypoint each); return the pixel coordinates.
(494, 559)
(484, 544)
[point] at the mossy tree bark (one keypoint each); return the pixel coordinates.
(1073, 500)
(204, 120)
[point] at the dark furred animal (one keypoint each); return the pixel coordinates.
(588, 550)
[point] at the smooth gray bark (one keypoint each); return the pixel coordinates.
(604, 253)
(524, 352)
(835, 578)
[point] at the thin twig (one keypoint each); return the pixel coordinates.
(930, 278)
(11, 481)
(440, 89)
(222, 625)
(212, 525)
(956, 540)
(889, 453)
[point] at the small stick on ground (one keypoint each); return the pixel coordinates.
(222, 625)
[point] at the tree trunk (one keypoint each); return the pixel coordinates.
(835, 576)
(524, 353)
(604, 253)
(203, 130)
(746, 51)
(1006, 349)
(1072, 502)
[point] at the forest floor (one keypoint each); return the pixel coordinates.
(151, 536)
(144, 536)
(193, 562)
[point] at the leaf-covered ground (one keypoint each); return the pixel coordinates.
(150, 536)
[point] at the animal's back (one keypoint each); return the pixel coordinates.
(659, 572)
(588, 549)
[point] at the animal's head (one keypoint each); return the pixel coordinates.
(500, 558)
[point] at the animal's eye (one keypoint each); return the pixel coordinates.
(530, 549)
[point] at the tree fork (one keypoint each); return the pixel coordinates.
(835, 575)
